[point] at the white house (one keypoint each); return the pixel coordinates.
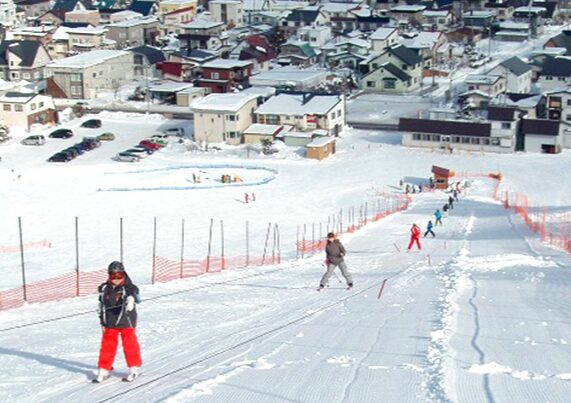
(559, 108)
(316, 36)
(304, 111)
(223, 117)
(542, 136)
(384, 38)
(230, 12)
(518, 74)
(25, 109)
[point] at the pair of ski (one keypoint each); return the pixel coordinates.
(124, 379)
(349, 287)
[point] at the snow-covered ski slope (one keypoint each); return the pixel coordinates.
(482, 314)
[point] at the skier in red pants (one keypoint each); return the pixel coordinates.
(118, 315)
(414, 237)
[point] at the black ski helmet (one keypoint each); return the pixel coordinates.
(115, 267)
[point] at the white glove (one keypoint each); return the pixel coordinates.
(130, 303)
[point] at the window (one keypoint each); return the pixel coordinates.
(231, 118)
(485, 142)
(389, 83)
(569, 102)
(339, 113)
(75, 77)
(416, 136)
(26, 76)
(370, 84)
(7, 107)
(32, 107)
(375, 66)
(568, 118)
(495, 142)
(435, 137)
(41, 104)
(75, 90)
(233, 135)
(94, 75)
(466, 140)
(298, 117)
(20, 108)
(425, 137)
(475, 140)
(455, 139)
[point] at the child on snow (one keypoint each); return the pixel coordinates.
(429, 229)
(118, 316)
(414, 237)
(334, 252)
(438, 216)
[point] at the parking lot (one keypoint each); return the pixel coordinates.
(129, 130)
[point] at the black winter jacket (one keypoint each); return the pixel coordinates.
(113, 305)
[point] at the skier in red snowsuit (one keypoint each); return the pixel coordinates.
(118, 315)
(414, 237)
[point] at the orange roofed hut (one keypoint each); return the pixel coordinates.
(441, 176)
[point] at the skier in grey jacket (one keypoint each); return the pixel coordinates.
(335, 251)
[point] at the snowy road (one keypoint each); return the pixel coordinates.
(481, 315)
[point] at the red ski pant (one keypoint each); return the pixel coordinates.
(412, 241)
(109, 344)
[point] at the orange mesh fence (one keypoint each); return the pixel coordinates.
(27, 246)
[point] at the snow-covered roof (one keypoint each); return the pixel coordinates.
(61, 34)
(511, 33)
(292, 104)
(320, 142)
(382, 33)
(549, 51)
(481, 79)
(408, 8)
(288, 73)
(200, 24)
(133, 22)
(226, 64)
(338, 7)
(88, 59)
(176, 2)
(354, 41)
(169, 86)
(17, 97)
(87, 31)
(260, 91)
(261, 129)
(300, 135)
(527, 9)
(513, 25)
(435, 13)
(479, 14)
(224, 2)
(222, 102)
(422, 40)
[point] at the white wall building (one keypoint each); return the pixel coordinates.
(230, 12)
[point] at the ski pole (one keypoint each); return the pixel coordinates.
(337, 277)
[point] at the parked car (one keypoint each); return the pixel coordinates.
(174, 131)
(77, 147)
(92, 124)
(127, 157)
(160, 139)
(140, 152)
(150, 144)
(106, 137)
(61, 134)
(60, 157)
(92, 141)
(71, 151)
(35, 140)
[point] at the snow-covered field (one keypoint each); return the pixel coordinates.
(481, 314)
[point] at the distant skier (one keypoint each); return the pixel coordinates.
(118, 316)
(414, 237)
(335, 251)
(438, 216)
(451, 202)
(455, 194)
(445, 210)
(246, 197)
(429, 229)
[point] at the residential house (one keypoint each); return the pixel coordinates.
(347, 52)
(230, 12)
(146, 60)
(225, 75)
(535, 16)
(479, 20)
(145, 7)
(180, 16)
(56, 15)
(258, 50)
(450, 135)
(299, 18)
(87, 39)
(297, 53)
(58, 47)
(517, 72)
(223, 117)
(384, 38)
(25, 109)
(512, 31)
(503, 10)
(555, 74)
(41, 34)
(436, 20)
(542, 136)
(167, 6)
(341, 16)
(304, 111)
(561, 40)
(212, 43)
(34, 8)
(134, 32)
(370, 23)
(257, 132)
(23, 60)
(432, 47)
(559, 108)
(83, 76)
(187, 96)
(407, 15)
(316, 36)
(489, 84)
(197, 27)
(90, 17)
(397, 70)
(531, 105)
(290, 77)
(262, 17)
(8, 15)
(123, 15)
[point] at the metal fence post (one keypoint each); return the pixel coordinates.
(182, 250)
(222, 263)
(154, 249)
(209, 245)
(22, 258)
(76, 256)
(247, 243)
